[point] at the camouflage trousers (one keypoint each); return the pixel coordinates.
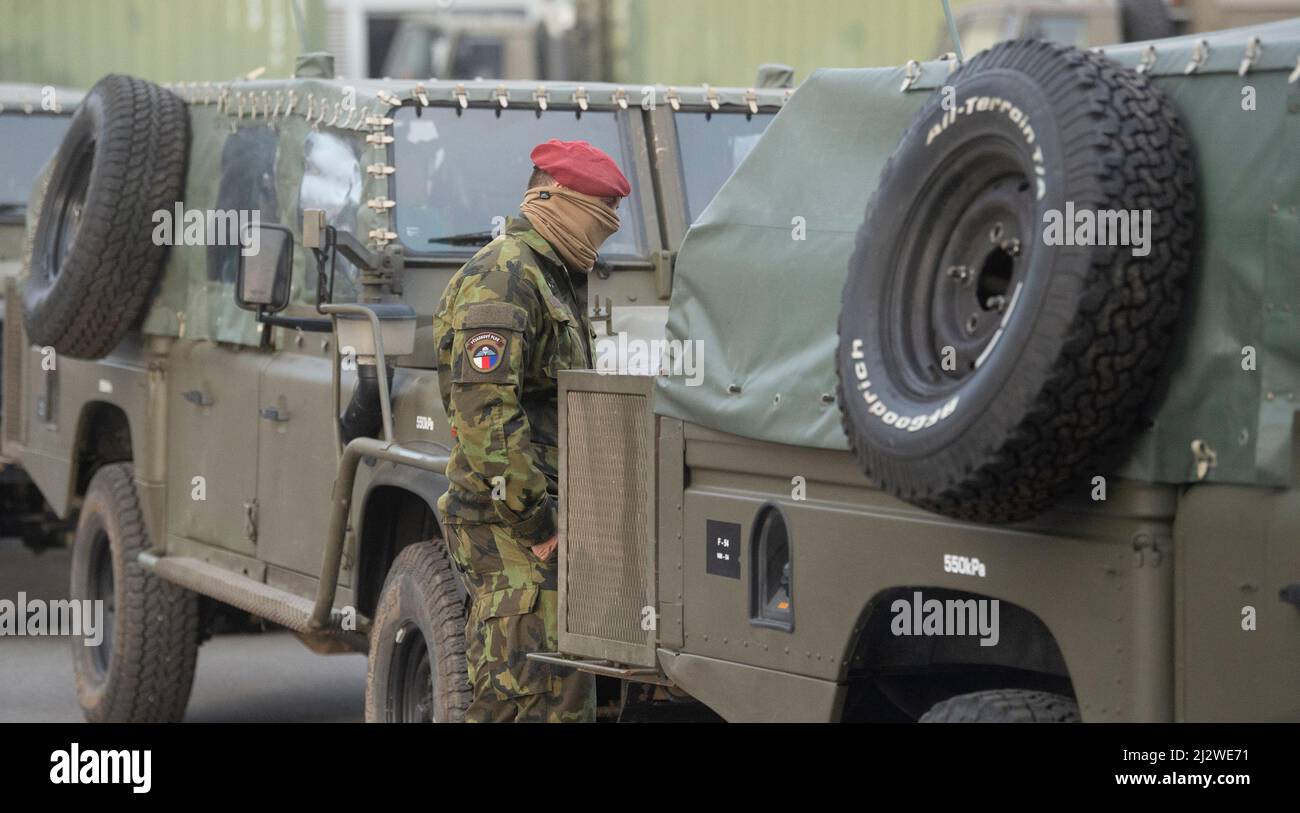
(514, 613)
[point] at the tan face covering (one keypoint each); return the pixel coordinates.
(573, 223)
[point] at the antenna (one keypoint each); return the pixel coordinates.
(952, 32)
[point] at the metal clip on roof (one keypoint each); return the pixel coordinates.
(751, 98)
(911, 73)
(620, 98)
(674, 99)
(503, 96)
(420, 95)
(1148, 59)
(461, 98)
(541, 98)
(711, 96)
(1253, 50)
(1200, 53)
(580, 96)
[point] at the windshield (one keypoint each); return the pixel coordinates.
(712, 146)
(453, 194)
(26, 143)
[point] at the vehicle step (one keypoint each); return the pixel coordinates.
(271, 603)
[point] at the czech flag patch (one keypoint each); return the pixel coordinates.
(485, 351)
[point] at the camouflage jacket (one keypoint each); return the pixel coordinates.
(510, 319)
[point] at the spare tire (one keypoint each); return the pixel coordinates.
(980, 368)
(94, 262)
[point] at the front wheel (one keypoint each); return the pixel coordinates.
(142, 667)
(418, 672)
(1004, 706)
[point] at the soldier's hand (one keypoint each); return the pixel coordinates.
(544, 550)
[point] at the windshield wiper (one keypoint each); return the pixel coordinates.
(474, 238)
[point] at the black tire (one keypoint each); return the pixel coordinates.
(1004, 706)
(143, 670)
(1145, 20)
(417, 670)
(94, 262)
(981, 370)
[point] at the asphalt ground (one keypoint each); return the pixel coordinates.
(260, 677)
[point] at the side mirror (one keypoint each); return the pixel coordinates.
(265, 268)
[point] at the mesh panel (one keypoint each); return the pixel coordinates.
(608, 509)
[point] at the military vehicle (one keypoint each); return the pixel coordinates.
(921, 403)
(1087, 23)
(32, 122)
(241, 424)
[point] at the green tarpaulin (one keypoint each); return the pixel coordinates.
(759, 275)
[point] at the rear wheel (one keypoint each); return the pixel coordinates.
(1004, 706)
(418, 672)
(143, 667)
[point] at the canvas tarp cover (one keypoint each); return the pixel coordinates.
(764, 304)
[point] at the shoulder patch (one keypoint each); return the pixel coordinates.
(485, 350)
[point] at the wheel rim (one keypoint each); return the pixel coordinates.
(411, 679)
(68, 207)
(102, 588)
(951, 298)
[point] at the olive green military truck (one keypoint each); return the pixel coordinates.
(236, 282)
(32, 122)
(997, 418)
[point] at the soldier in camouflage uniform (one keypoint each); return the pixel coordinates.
(509, 321)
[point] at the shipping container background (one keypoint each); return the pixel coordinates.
(723, 42)
(74, 42)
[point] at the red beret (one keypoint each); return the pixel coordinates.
(582, 168)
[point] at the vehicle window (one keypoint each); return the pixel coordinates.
(26, 143)
(1058, 28)
(459, 174)
(480, 55)
(246, 185)
(712, 146)
(331, 181)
